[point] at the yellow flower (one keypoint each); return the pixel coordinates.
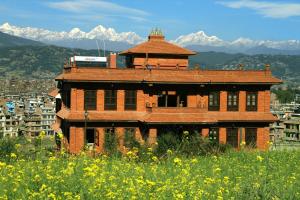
(60, 135)
(42, 134)
(154, 158)
(226, 179)
(177, 161)
(13, 155)
(17, 146)
(259, 158)
(169, 152)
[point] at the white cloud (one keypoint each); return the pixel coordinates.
(265, 8)
(83, 6)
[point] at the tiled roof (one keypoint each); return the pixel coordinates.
(54, 92)
(132, 116)
(169, 76)
(157, 45)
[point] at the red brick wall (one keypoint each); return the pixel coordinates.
(152, 136)
(262, 138)
(141, 103)
(76, 139)
(223, 101)
(242, 101)
(205, 132)
(261, 101)
(267, 100)
(100, 100)
(192, 101)
(120, 100)
(222, 135)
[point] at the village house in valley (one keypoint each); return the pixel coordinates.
(157, 92)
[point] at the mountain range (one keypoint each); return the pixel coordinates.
(109, 38)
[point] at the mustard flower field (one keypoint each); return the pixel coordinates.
(233, 175)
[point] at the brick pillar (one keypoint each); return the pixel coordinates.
(242, 101)
(120, 137)
(261, 101)
(138, 136)
(205, 132)
(73, 99)
(191, 101)
(223, 101)
(101, 138)
(120, 100)
(222, 135)
(267, 100)
(113, 60)
(100, 100)
(76, 139)
(141, 104)
(152, 136)
(262, 138)
(80, 100)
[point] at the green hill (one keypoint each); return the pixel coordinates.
(7, 40)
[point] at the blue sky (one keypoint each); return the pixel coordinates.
(227, 19)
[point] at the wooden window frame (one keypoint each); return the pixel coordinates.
(251, 133)
(110, 99)
(214, 134)
(230, 101)
(251, 105)
(229, 136)
(90, 99)
(214, 101)
(130, 100)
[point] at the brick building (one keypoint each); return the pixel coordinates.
(156, 93)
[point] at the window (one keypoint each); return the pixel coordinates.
(172, 99)
(90, 99)
(90, 136)
(233, 101)
(214, 101)
(232, 137)
(110, 100)
(251, 136)
(130, 99)
(213, 135)
(251, 101)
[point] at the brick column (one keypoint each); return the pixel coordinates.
(262, 138)
(138, 136)
(100, 100)
(267, 100)
(73, 99)
(222, 135)
(101, 138)
(242, 101)
(120, 138)
(152, 136)
(261, 101)
(191, 101)
(76, 139)
(141, 104)
(120, 100)
(223, 101)
(205, 132)
(80, 100)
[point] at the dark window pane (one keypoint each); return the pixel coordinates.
(90, 136)
(110, 100)
(213, 135)
(251, 104)
(214, 101)
(232, 101)
(251, 136)
(130, 99)
(232, 137)
(90, 99)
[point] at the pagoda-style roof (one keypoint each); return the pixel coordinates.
(157, 44)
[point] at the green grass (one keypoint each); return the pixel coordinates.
(233, 175)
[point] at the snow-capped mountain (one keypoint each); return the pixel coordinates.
(54, 37)
(198, 41)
